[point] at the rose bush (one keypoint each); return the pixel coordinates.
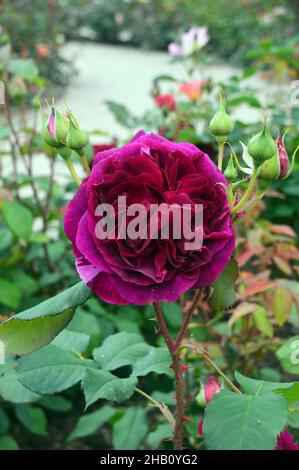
(150, 169)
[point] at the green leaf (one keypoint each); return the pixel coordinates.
(290, 394)
(163, 431)
(84, 322)
(8, 443)
(51, 370)
(102, 384)
(11, 388)
(120, 112)
(120, 350)
(130, 430)
(224, 288)
(32, 418)
(56, 403)
(262, 321)
(282, 305)
(25, 282)
(10, 294)
(258, 387)
(37, 326)
(91, 423)
(18, 219)
(4, 422)
(244, 422)
(288, 355)
(25, 68)
(157, 360)
(72, 341)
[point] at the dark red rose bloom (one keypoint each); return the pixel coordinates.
(150, 170)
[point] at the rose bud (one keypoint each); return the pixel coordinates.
(166, 102)
(279, 166)
(221, 124)
(261, 146)
(208, 390)
(76, 138)
(231, 171)
(55, 129)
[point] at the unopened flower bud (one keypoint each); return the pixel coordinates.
(261, 146)
(77, 139)
(208, 390)
(55, 130)
(283, 159)
(221, 124)
(231, 171)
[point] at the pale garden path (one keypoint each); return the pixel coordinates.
(121, 74)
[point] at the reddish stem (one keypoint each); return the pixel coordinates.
(173, 346)
(187, 319)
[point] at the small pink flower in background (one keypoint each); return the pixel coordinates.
(211, 388)
(285, 441)
(193, 40)
(192, 89)
(166, 101)
(174, 49)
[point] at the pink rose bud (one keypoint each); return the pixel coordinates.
(207, 391)
(211, 388)
(283, 158)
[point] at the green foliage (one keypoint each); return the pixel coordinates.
(37, 326)
(224, 295)
(134, 420)
(244, 422)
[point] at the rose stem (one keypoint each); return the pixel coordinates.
(220, 155)
(85, 164)
(73, 172)
(187, 319)
(246, 196)
(173, 346)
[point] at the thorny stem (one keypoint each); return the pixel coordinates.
(246, 196)
(173, 346)
(187, 318)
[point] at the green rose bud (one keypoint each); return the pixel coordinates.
(76, 138)
(261, 146)
(221, 123)
(231, 171)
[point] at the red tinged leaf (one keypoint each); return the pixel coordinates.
(258, 286)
